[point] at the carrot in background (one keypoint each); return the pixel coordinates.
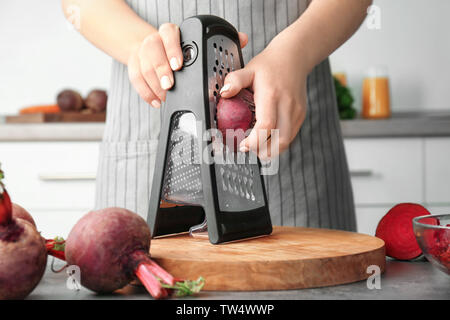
(53, 108)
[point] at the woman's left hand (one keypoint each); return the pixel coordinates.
(278, 80)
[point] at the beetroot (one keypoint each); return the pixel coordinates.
(236, 113)
(21, 213)
(70, 101)
(55, 247)
(23, 255)
(96, 100)
(111, 247)
(396, 229)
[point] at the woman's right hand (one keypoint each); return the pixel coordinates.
(153, 61)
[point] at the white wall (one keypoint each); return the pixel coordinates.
(414, 43)
(40, 55)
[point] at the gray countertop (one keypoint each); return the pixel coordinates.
(402, 280)
(411, 124)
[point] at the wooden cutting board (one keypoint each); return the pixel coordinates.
(57, 117)
(290, 258)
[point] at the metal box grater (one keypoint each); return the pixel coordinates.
(228, 198)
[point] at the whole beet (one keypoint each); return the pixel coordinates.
(23, 256)
(236, 113)
(70, 100)
(101, 243)
(53, 246)
(21, 213)
(96, 100)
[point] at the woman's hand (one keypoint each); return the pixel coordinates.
(278, 80)
(153, 61)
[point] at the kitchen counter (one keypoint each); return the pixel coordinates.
(405, 125)
(411, 124)
(402, 280)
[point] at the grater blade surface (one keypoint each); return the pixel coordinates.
(238, 181)
(237, 177)
(182, 180)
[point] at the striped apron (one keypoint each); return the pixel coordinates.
(312, 187)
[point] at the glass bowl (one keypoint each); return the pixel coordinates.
(433, 235)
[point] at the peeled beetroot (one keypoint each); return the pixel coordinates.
(236, 113)
(23, 256)
(396, 229)
(111, 247)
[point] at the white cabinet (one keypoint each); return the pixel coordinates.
(437, 168)
(55, 181)
(367, 218)
(389, 171)
(385, 171)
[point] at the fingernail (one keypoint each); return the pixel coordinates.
(225, 88)
(156, 104)
(165, 83)
(174, 64)
(243, 149)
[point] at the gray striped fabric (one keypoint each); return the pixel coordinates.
(312, 187)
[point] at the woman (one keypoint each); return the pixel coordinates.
(286, 67)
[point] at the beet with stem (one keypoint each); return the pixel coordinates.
(55, 247)
(20, 213)
(111, 247)
(23, 256)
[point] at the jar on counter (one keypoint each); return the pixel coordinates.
(376, 96)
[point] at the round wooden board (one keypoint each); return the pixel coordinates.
(290, 258)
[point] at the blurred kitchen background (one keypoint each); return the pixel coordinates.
(50, 168)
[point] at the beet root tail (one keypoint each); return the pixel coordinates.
(150, 282)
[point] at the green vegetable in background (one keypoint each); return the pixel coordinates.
(344, 100)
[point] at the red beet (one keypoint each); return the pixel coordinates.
(111, 247)
(21, 213)
(236, 113)
(70, 101)
(23, 256)
(396, 229)
(53, 245)
(96, 100)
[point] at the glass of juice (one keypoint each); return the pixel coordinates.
(342, 77)
(376, 97)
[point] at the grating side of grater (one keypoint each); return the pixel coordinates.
(229, 196)
(182, 179)
(239, 183)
